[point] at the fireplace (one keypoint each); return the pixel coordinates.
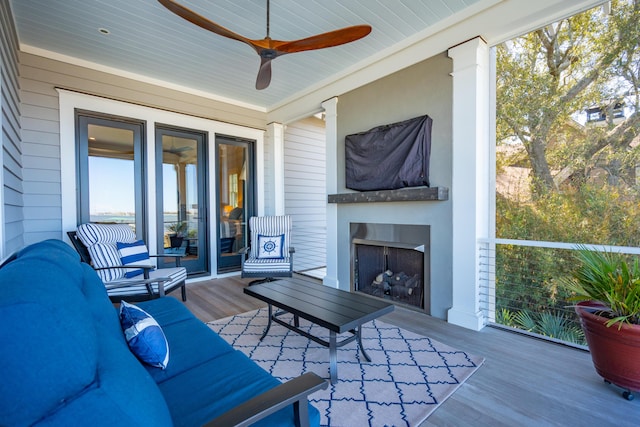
(391, 262)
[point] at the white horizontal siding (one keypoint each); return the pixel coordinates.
(41, 168)
(305, 191)
(11, 189)
(41, 213)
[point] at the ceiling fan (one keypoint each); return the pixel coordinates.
(267, 48)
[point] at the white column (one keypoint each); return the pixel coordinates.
(275, 131)
(470, 176)
(331, 122)
(273, 162)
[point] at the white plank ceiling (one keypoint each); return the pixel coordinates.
(147, 40)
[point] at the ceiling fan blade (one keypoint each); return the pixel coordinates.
(203, 22)
(324, 40)
(264, 74)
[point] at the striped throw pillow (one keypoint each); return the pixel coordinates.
(135, 253)
(106, 255)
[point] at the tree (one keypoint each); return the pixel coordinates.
(545, 77)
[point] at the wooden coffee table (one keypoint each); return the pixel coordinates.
(338, 311)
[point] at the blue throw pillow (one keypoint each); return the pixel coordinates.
(133, 253)
(270, 247)
(144, 336)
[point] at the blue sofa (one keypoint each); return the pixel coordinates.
(65, 360)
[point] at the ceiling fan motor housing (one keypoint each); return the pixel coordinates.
(268, 53)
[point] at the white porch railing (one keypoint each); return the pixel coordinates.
(311, 247)
(519, 286)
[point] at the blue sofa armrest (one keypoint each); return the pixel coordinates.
(295, 391)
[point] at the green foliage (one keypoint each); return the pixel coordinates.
(560, 327)
(529, 278)
(525, 278)
(607, 215)
(525, 320)
(546, 76)
(609, 278)
(505, 317)
(178, 227)
(554, 325)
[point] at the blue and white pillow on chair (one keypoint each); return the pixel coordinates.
(144, 335)
(270, 247)
(134, 253)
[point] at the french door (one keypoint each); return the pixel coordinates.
(181, 195)
(235, 194)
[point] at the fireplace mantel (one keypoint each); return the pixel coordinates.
(400, 195)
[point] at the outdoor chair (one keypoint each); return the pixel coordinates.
(124, 264)
(227, 235)
(270, 253)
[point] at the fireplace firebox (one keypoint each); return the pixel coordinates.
(391, 261)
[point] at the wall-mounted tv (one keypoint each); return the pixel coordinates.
(390, 156)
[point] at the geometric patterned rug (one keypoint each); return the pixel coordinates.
(408, 377)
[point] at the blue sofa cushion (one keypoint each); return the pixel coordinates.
(192, 342)
(166, 311)
(123, 395)
(216, 394)
(144, 336)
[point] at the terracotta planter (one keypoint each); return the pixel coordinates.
(615, 351)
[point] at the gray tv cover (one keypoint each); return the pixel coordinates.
(390, 156)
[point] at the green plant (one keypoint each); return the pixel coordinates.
(560, 327)
(178, 227)
(505, 317)
(608, 278)
(553, 325)
(525, 320)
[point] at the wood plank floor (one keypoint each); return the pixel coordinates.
(523, 382)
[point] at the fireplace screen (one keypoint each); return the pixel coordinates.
(390, 272)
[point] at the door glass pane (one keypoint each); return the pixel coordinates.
(111, 175)
(180, 191)
(183, 196)
(233, 191)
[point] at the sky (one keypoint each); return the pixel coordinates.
(112, 180)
